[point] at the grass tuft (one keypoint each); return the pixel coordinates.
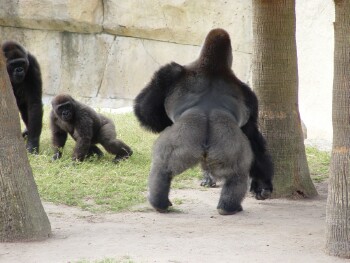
(319, 163)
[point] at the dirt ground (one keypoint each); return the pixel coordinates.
(266, 231)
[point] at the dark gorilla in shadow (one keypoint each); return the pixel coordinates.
(25, 75)
(205, 115)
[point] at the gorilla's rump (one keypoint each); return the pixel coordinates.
(214, 139)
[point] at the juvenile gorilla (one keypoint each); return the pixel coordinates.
(25, 76)
(86, 127)
(208, 116)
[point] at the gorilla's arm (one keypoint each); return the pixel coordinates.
(83, 132)
(35, 115)
(262, 168)
(34, 104)
(149, 104)
(59, 138)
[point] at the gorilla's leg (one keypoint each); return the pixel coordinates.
(232, 195)
(159, 187)
(229, 157)
(178, 148)
(107, 138)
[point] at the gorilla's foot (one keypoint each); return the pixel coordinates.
(208, 179)
(160, 205)
(208, 182)
(226, 211)
(263, 194)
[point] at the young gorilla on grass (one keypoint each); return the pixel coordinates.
(201, 109)
(87, 128)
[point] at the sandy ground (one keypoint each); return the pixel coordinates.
(266, 231)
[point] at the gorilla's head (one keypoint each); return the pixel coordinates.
(16, 61)
(216, 53)
(64, 107)
(17, 69)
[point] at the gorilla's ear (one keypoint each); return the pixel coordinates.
(149, 104)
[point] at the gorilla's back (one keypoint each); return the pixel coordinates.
(206, 95)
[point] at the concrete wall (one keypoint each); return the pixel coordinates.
(104, 51)
(315, 45)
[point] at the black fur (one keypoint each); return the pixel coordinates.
(153, 116)
(210, 62)
(87, 128)
(25, 76)
(262, 169)
(209, 113)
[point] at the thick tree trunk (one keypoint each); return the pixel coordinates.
(338, 203)
(275, 80)
(22, 217)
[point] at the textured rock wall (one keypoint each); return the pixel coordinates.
(104, 52)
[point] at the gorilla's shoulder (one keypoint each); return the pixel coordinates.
(171, 68)
(170, 72)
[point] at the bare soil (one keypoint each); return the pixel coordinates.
(275, 230)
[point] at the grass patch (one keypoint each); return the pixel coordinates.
(319, 163)
(99, 184)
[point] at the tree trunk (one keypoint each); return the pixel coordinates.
(22, 216)
(275, 81)
(338, 202)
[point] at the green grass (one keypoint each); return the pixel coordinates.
(99, 184)
(319, 162)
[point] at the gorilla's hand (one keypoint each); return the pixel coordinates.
(261, 190)
(25, 133)
(33, 145)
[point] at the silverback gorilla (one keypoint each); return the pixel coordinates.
(205, 115)
(87, 128)
(25, 76)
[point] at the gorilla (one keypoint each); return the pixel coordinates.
(25, 77)
(87, 128)
(205, 115)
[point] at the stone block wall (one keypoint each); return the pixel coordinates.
(104, 51)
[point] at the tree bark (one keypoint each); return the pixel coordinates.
(22, 216)
(275, 81)
(338, 202)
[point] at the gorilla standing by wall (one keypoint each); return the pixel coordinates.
(205, 115)
(25, 76)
